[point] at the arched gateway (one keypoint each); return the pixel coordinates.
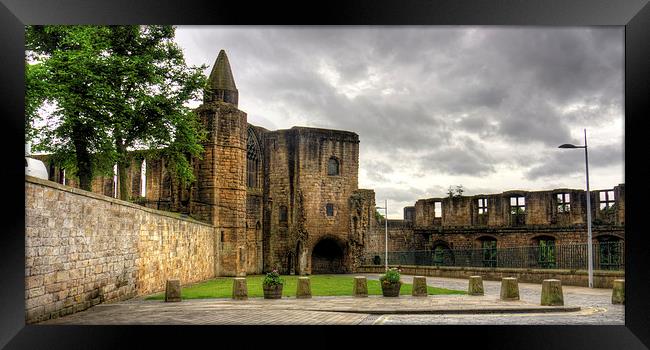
(328, 256)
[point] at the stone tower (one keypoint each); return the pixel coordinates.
(220, 193)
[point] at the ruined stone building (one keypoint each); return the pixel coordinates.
(289, 199)
(508, 221)
(284, 199)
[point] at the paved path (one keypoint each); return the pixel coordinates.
(595, 308)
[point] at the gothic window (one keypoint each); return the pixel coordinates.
(330, 209)
(143, 178)
(563, 203)
(252, 160)
(518, 210)
(606, 199)
(333, 167)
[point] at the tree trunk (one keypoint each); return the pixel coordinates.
(80, 134)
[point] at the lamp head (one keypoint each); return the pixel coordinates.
(567, 145)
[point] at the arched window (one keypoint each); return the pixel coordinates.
(143, 178)
(488, 251)
(253, 160)
(545, 251)
(610, 253)
(333, 167)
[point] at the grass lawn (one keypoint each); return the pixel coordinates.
(321, 285)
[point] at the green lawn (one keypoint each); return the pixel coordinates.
(321, 285)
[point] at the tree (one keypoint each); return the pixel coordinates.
(457, 192)
(114, 89)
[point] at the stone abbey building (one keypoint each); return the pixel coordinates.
(289, 199)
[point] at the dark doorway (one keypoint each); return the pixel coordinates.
(327, 257)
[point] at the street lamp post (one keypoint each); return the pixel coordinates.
(386, 232)
(590, 264)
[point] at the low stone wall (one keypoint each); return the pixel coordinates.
(82, 249)
(602, 279)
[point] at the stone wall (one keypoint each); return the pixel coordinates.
(602, 279)
(82, 249)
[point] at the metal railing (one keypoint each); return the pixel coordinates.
(606, 256)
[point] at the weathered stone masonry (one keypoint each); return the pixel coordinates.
(82, 249)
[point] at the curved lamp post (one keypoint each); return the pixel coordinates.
(590, 263)
(385, 207)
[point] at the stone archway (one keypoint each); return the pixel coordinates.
(328, 256)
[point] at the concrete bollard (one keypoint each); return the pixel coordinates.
(304, 288)
(419, 286)
(360, 288)
(509, 288)
(475, 285)
(239, 288)
(618, 292)
(552, 293)
(173, 290)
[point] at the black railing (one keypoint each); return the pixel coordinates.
(606, 256)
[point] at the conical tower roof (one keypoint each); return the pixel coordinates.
(221, 84)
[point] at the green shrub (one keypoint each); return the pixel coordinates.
(273, 279)
(391, 276)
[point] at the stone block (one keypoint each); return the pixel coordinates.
(475, 285)
(618, 292)
(239, 288)
(552, 293)
(173, 290)
(419, 286)
(304, 288)
(509, 289)
(360, 288)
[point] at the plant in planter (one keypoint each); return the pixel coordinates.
(390, 283)
(272, 285)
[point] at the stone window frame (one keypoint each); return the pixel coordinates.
(330, 172)
(329, 209)
(482, 206)
(563, 202)
(606, 202)
(517, 210)
(283, 215)
(437, 209)
(253, 160)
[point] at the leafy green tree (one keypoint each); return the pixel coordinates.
(112, 89)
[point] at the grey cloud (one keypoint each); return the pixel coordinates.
(571, 161)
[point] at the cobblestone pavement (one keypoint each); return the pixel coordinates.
(595, 308)
(595, 303)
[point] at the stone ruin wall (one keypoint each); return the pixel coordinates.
(295, 167)
(461, 228)
(82, 249)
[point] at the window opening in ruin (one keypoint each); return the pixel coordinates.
(482, 206)
(489, 251)
(115, 181)
(563, 203)
(330, 209)
(546, 252)
(518, 210)
(283, 214)
(606, 199)
(437, 209)
(252, 160)
(610, 253)
(333, 167)
(63, 178)
(143, 178)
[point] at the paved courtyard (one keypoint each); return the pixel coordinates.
(582, 306)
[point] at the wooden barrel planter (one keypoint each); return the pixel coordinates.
(272, 291)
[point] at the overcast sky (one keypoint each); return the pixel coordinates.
(481, 107)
